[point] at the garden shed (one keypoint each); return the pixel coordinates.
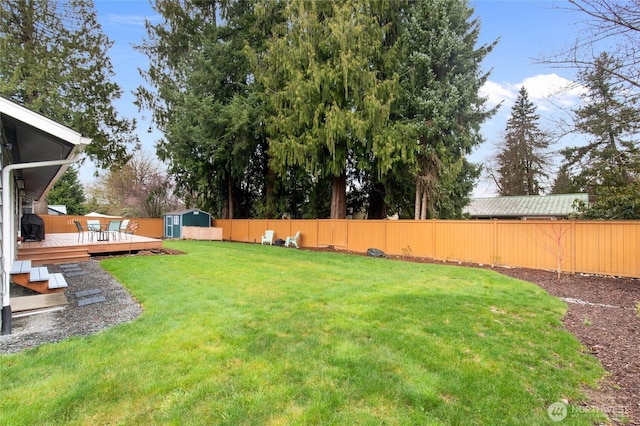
(175, 221)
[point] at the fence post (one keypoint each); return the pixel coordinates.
(434, 239)
(572, 243)
(494, 243)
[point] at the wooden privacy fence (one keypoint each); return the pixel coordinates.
(152, 228)
(593, 247)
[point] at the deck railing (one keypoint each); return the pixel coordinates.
(152, 228)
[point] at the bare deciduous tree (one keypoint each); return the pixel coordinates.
(611, 25)
(139, 189)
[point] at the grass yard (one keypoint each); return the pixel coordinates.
(242, 334)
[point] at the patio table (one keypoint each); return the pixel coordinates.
(103, 233)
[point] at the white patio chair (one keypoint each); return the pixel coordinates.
(292, 240)
(267, 237)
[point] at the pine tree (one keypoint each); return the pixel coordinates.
(522, 162)
(68, 191)
(441, 79)
(610, 162)
(563, 183)
(204, 98)
(53, 60)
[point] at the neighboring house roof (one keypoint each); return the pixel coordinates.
(58, 208)
(524, 206)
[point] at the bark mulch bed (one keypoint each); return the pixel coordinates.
(602, 313)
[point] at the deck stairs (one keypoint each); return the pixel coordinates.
(37, 278)
(53, 255)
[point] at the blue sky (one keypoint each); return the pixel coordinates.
(527, 30)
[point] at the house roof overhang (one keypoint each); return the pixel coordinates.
(28, 137)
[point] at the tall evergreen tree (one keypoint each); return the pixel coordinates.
(523, 159)
(68, 191)
(330, 102)
(204, 99)
(441, 79)
(610, 161)
(53, 60)
(563, 183)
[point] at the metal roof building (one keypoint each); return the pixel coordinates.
(525, 206)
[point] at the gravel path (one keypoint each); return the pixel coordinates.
(78, 318)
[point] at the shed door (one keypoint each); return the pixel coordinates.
(168, 226)
(172, 226)
(176, 226)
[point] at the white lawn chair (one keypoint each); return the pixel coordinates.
(292, 240)
(268, 237)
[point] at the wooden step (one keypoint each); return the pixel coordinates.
(38, 274)
(20, 267)
(29, 305)
(57, 281)
(21, 272)
(54, 255)
(37, 279)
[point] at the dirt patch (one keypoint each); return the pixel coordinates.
(152, 252)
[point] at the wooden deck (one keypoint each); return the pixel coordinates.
(65, 248)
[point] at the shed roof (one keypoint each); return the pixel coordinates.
(525, 206)
(181, 212)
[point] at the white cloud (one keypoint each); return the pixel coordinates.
(548, 92)
(498, 92)
(128, 20)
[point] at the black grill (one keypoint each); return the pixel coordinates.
(32, 227)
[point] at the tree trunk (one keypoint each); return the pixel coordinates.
(418, 201)
(377, 206)
(230, 194)
(425, 199)
(270, 196)
(339, 196)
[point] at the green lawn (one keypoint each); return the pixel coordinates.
(248, 334)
